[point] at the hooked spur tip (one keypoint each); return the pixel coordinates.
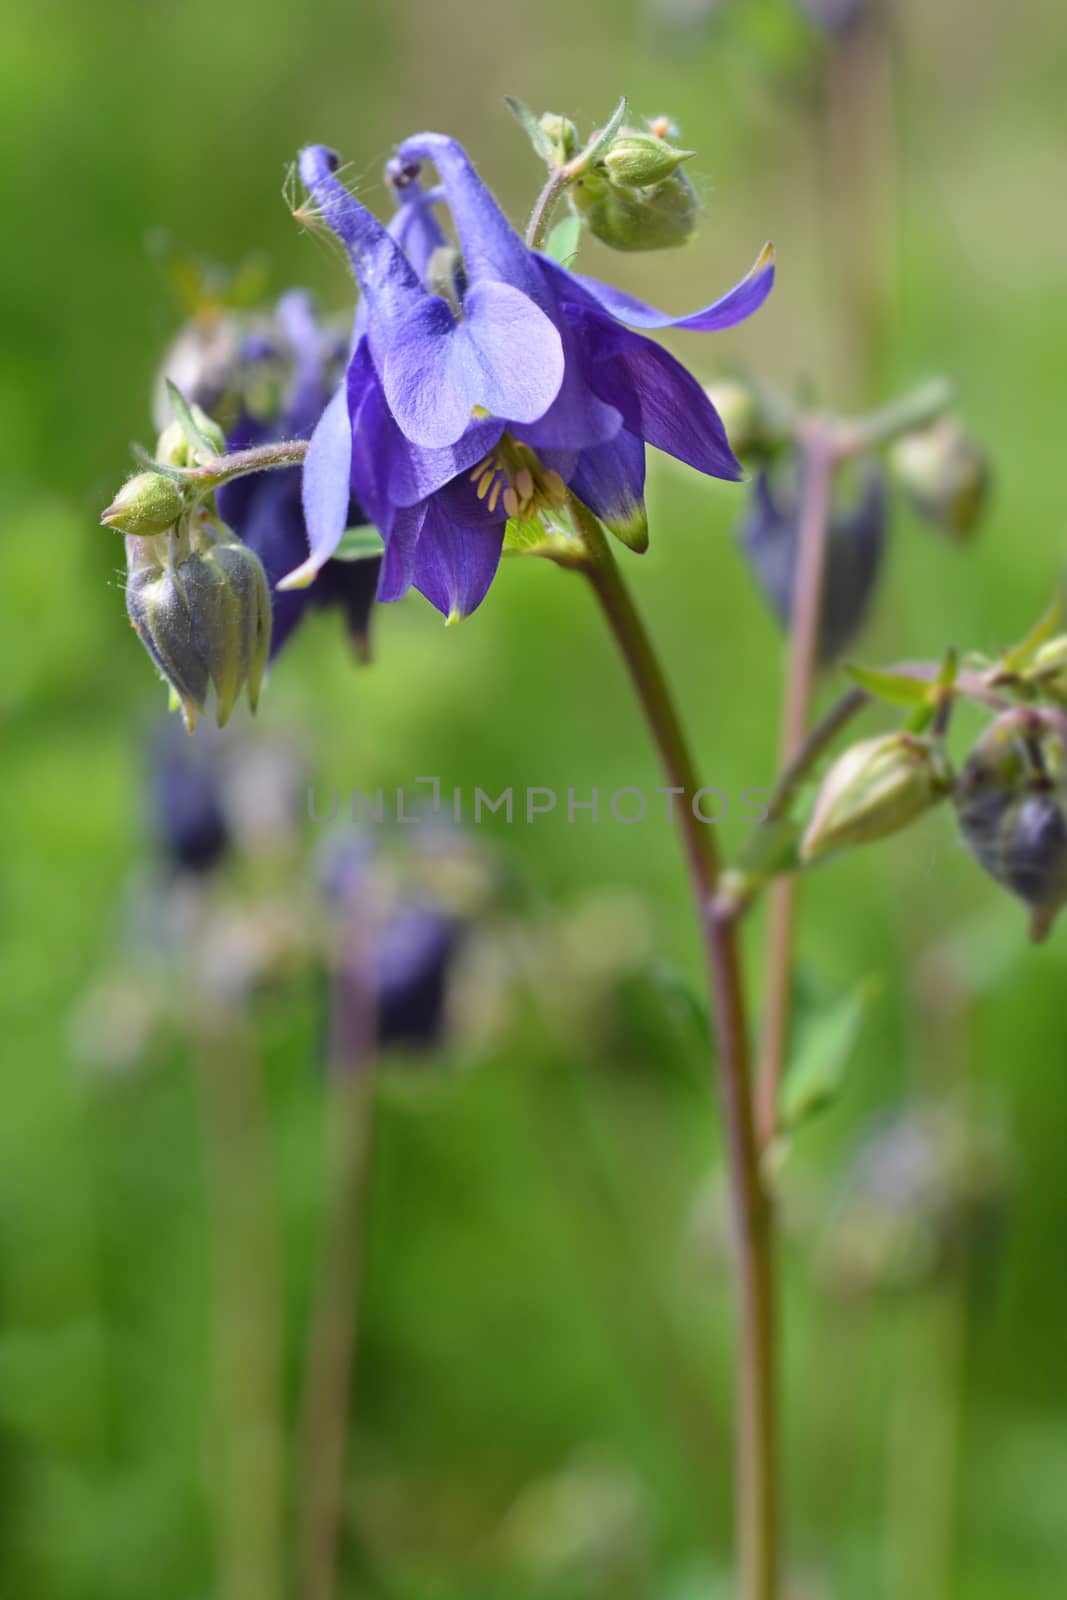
(301, 577)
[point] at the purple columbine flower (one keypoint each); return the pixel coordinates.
(465, 408)
(265, 509)
(396, 948)
(854, 552)
(187, 801)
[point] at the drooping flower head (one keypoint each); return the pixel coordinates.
(481, 390)
(856, 539)
(287, 369)
(188, 814)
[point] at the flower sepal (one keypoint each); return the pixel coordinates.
(201, 607)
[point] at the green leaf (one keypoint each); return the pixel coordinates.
(1017, 657)
(898, 688)
(940, 693)
(532, 129)
(562, 243)
(949, 670)
(597, 145)
(194, 438)
(359, 544)
(144, 458)
(825, 1041)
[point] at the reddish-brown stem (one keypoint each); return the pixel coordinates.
(330, 1364)
(818, 455)
(333, 1336)
(756, 1509)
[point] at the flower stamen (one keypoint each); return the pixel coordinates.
(514, 473)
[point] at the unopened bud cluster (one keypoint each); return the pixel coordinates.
(638, 197)
(626, 184)
(196, 595)
(1011, 804)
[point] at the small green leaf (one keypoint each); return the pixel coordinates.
(825, 1041)
(949, 670)
(562, 243)
(596, 147)
(359, 544)
(144, 458)
(532, 129)
(197, 441)
(898, 688)
(1017, 657)
(939, 696)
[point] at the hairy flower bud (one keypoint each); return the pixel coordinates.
(874, 789)
(204, 619)
(562, 132)
(157, 608)
(1011, 804)
(945, 474)
(173, 447)
(243, 571)
(147, 504)
(639, 159)
(657, 217)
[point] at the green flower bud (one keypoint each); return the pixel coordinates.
(155, 601)
(205, 619)
(1047, 669)
(1011, 804)
(639, 159)
(873, 790)
(755, 424)
(562, 133)
(738, 411)
(659, 217)
(243, 571)
(147, 504)
(173, 448)
(946, 475)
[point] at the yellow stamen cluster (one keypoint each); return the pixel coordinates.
(512, 473)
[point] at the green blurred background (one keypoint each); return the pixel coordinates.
(544, 1386)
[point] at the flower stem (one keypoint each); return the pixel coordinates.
(913, 410)
(816, 444)
(545, 205)
(330, 1368)
(217, 470)
(756, 1439)
(823, 443)
(248, 1300)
